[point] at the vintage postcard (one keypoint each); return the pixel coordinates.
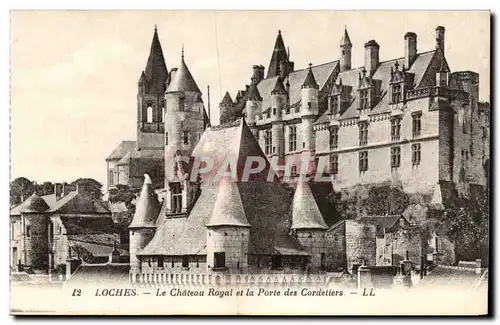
(250, 162)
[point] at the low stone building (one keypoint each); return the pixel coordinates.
(45, 230)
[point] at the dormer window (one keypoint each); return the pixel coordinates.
(334, 105)
(363, 99)
(363, 133)
(396, 93)
(334, 138)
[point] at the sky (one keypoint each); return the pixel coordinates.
(74, 73)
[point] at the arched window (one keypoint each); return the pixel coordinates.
(149, 114)
(111, 177)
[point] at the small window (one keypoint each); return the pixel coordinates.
(160, 261)
(396, 94)
(402, 223)
(185, 261)
(149, 114)
(219, 259)
(28, 231)
(172, 262)
(166, 138)
(276, 262)
(176, 197)
(334, 138)
(363, 133)
(111, 177)
(334, 164)
(363, 102)
(417, 124)
(185, 137)
(268, 142)
(334, 105)
(292, 144)
(182, 104)
(415, 154)
(395, 128)
(274, 111)
(323, 261)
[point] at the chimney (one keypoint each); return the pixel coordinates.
(58, 191)
(80, 187)
(258, 73)
(410, 48)
(440, 38)
(371, 56)
(172, 73)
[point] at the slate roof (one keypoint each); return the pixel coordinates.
(147, 207)
(420, 68)
(156, 73)
(305, 211)
(72, 203)
(345, 40)
(279, 55)
(125, 160)
(227, 99)
(121, 150)
(228, 208)
(321, 73)
(382, 222)
(183, 80)
(33, 204)
(232, 141)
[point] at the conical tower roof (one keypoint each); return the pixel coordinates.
(310, 81)
(227, 100)
(34, 204)
(156, 72)
(147, 207)
(305, 211)
(279, 88)
(253, 93)
(345, 41)
(228, 209)
(183, 80)
(279, 55)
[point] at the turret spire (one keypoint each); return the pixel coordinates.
(147, 207)
(156, 68)
(310, 81)
(279, 56)
(345, 41)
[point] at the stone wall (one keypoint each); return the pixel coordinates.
(360, 243)
(233, 241)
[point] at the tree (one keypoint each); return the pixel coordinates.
(90, 186)
(46, 188)
(386, 200)
(20, 189)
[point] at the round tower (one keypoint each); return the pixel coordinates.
(278, 99)
(309, 92)
(345, 52)
(184, 117)
(228, 231)
(253, 107)
(143, 225)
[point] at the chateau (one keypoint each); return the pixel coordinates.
(409, 122)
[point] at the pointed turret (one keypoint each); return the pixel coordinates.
(310, 81)
(147, 207)
(278, 57)
(253, 92)
(227, 100)
(228, 208)
(305, 211)
(279, 88)
(183, 79)
(345, 52)
(345, 40)
(156, 72)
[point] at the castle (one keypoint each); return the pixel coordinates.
(408, 121)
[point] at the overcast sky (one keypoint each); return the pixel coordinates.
(74, 73)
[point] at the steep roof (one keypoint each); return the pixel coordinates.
(146, 208)
(183, 80)
(322, 74)
(278, 88)
(279, 55)
(156, 72)
(253, 93)
(310, 81)
(227, 99)
(305, 211)
(125, 160)
(420, 68)
(72, 203)
(121, 150)
(228, 208)
(345, 40)
(232, 143)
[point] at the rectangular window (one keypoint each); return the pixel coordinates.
(323, 261)
(395, 128)
(219, 259)
(363, 161)
(396, 94)
(334, 164)
(417, 124)
(160, 261)
(293, 138)
(185, 137)
(334, 105)
(293, 171)
(363, 133)
(166, 138)
(185, 261)
(395, 157)
(334, 138)
(28, 231)
(182, 104)
(363, 96)
(12, 230)
(268, 142)
(415, 154)
(176, 197)
(172, 262)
